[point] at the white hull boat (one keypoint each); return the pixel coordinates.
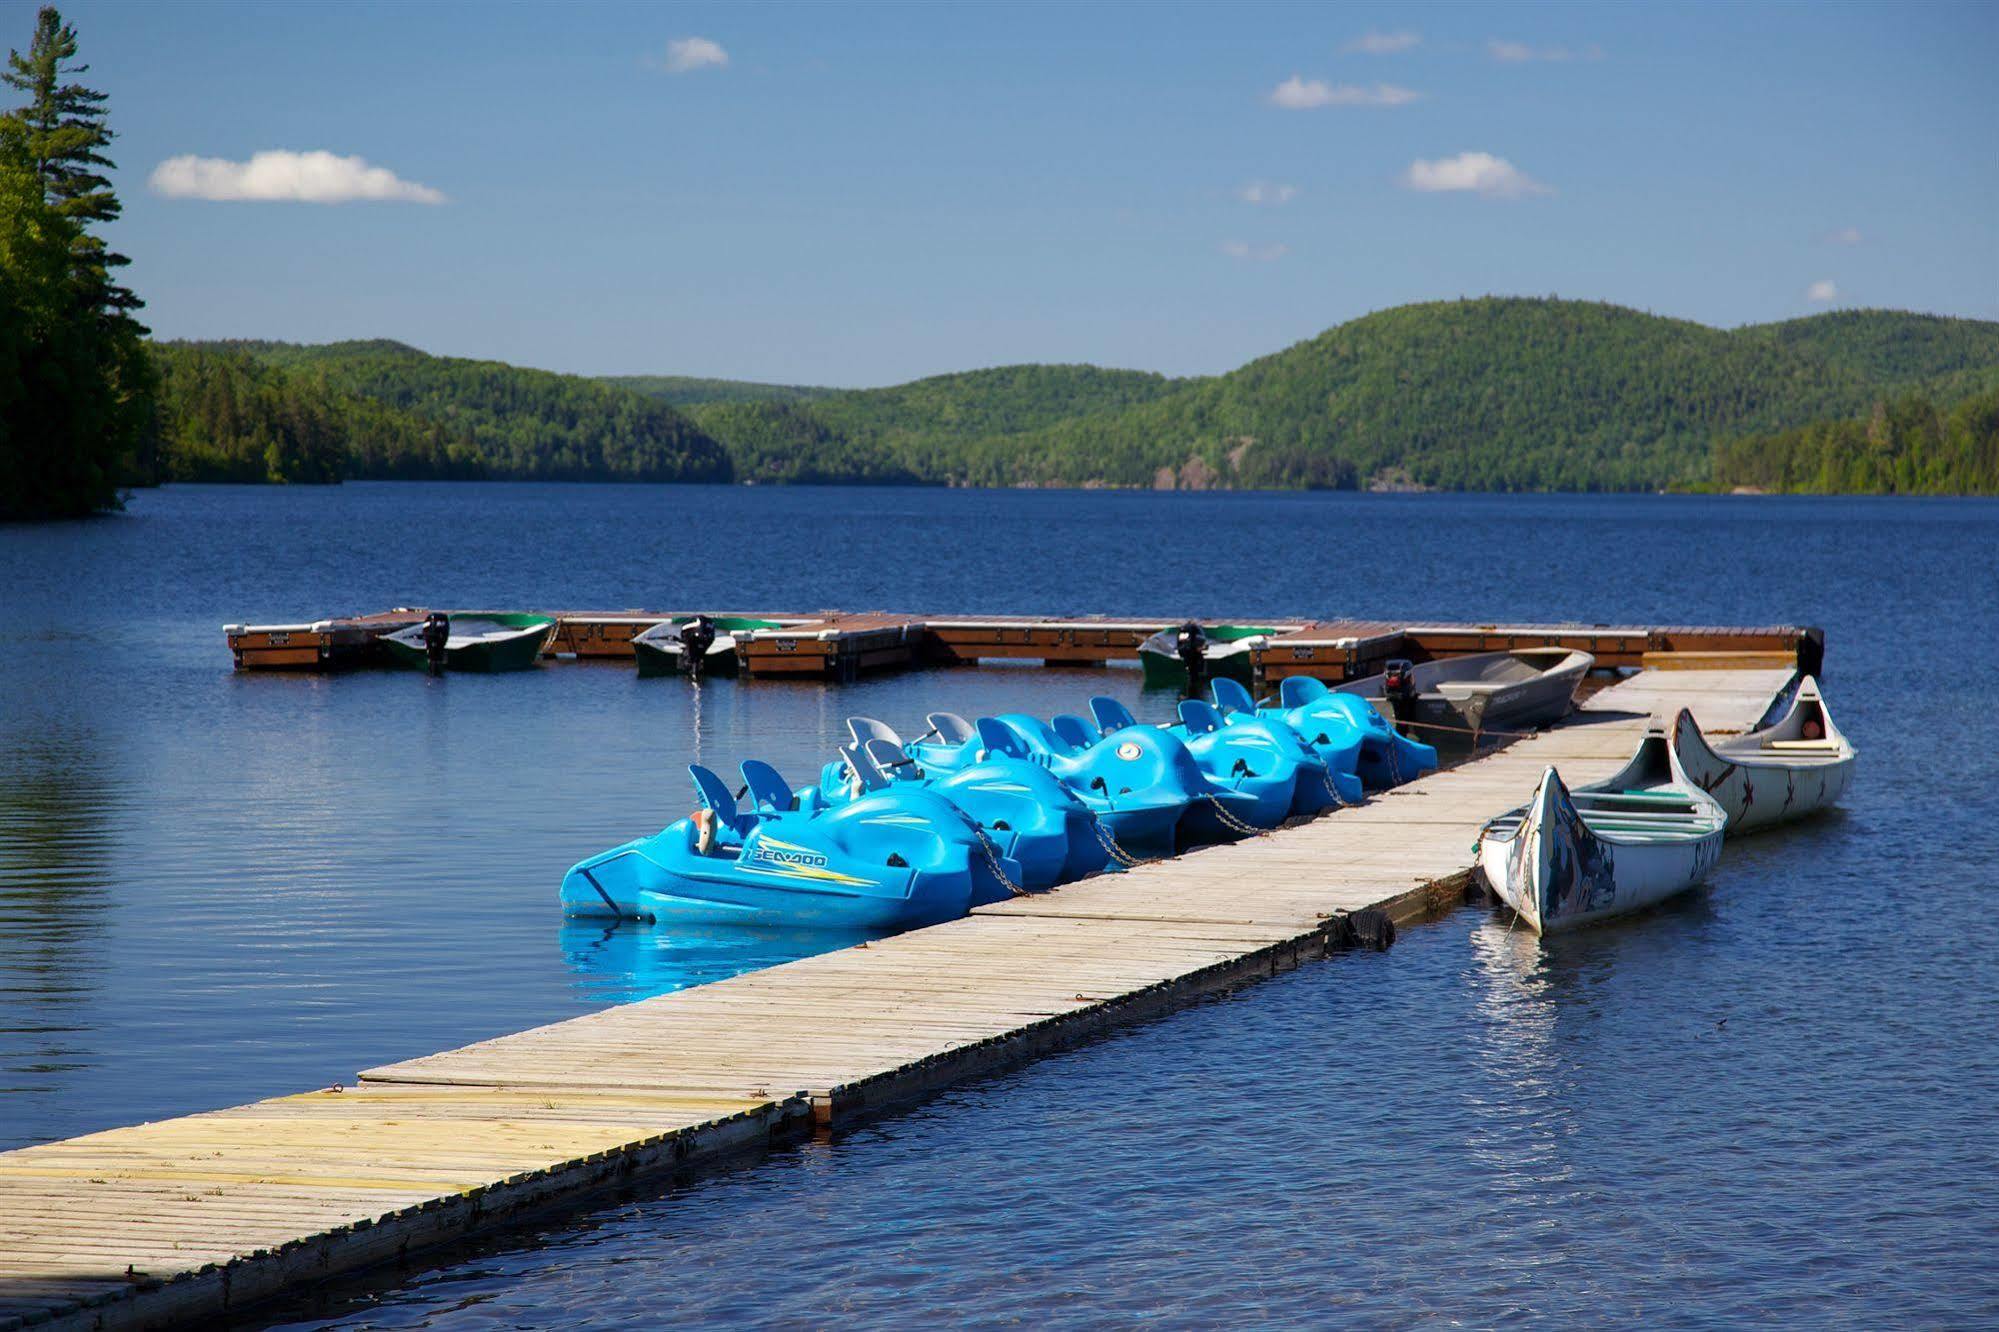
(1571, 858)
(1797, 765)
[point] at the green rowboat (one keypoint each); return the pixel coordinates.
(484, 641)
(661, 650)
(1226, 649)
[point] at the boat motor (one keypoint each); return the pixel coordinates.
(436, 633)
(1398, 686)
(696, 637)
(1190, 641)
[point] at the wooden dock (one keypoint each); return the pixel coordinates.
(194, 1218)
(842, 645)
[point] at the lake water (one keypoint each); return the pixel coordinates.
(1770, 1102)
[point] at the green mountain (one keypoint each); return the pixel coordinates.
(507, 422)
(1503, 394)
(1489, 394)
(919, 432)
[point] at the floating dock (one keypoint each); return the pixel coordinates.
(843, 645)
(201, 1217)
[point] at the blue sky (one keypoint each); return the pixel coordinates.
(865, 194)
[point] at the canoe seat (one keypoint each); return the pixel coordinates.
(1803, 746)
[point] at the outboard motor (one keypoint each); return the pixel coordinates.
(1398, 686)
(1190, 641)
(696, 637)
(436, 633)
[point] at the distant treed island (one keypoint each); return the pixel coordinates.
(1487, 394)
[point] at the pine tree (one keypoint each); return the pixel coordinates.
(82, 416)
(62, 136)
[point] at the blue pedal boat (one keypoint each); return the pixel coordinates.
(883, 862)
(1265, 758)
(1031, 817)
(1244, 761)
(1140, 787)
(1385, 758)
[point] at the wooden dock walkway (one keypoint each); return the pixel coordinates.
(191, 1218)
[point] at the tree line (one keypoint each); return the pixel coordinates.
(1907, 445)
(383, 410)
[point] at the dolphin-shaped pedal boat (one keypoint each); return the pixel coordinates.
(1385, 757)
(1261, 758)
(1139, 787)
(882, 862)
(1024, 809)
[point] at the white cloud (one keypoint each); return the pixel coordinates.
(1845, 236)
(1263, 192)
(1259, 253)
(684, 55)
(1515, 53)
(1302, 94)
(1478, 173)
(280, 176)
(1376, 42)
(1822, 291)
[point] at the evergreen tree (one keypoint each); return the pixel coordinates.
(80, 416)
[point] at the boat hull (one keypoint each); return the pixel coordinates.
(1761, 786)
(1557, 873)
(1165, 670)
(720, 660)
(519, 650)
(1461, 697)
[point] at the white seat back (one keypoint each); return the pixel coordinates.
(865, 768)
(864, 729)
(950, 727)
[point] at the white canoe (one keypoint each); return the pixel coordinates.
(1797, 765)
(1569, 858)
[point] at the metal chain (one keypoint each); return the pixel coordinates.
(1332, 788)
(1110, 844)
(993, 859)
(1230, 821)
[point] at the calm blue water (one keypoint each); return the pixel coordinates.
(1772, 1102)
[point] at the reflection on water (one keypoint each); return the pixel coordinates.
(615, 962)
(57, 820)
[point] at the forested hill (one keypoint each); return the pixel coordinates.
(391, 410)
(921, 432)
(1908, 445)
(1490, 394)
(1497, 393)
